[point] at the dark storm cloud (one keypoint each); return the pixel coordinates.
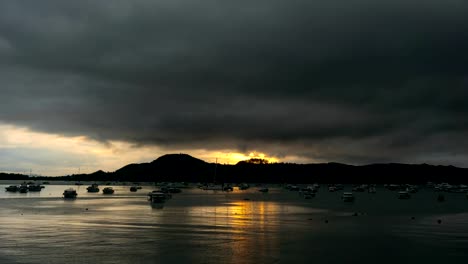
(353, 81)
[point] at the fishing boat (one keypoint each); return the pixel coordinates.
(70, 193)
(108, 190)
(93, 188)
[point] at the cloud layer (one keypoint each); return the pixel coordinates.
(353, 81)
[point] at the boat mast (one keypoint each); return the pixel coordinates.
(216, 166)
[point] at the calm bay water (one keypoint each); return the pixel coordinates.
(199, 226)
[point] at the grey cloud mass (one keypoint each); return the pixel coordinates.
(354, 81)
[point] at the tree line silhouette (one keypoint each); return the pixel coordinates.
(184, 168)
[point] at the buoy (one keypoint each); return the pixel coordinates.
(439, 221)
(326, 221)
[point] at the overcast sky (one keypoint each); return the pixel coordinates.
(353, 81)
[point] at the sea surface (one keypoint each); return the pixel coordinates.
(199, 226)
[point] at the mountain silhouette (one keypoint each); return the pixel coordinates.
(185, 168)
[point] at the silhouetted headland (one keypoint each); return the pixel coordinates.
(185, 168)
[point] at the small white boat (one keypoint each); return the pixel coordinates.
(372, 190)
(347, 197)
(70, 193)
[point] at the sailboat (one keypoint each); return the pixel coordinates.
(213, 186)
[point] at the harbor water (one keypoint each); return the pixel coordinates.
(198, 226)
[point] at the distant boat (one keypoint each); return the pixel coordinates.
(359, 188)
(263, 190)
(93, 188)
(133, 189)
(34, 187)
(78, 183)
(228, 188)
(348, 197)
(372, 190)
(108, 190)
(403, 195)
(23, 188)
(11, 188)
(243, 186)
(294, 188)
(70, 193)
(157, 197)
(212, 188)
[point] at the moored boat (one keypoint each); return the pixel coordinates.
(228, 188)
(403, 195)
(108, 190)
(347, 197)
(157, 197)
(11, 188)
(70, 193)
(243, 186)
(23, 188)
(93, 188)
(34, 187)
(212, 188)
